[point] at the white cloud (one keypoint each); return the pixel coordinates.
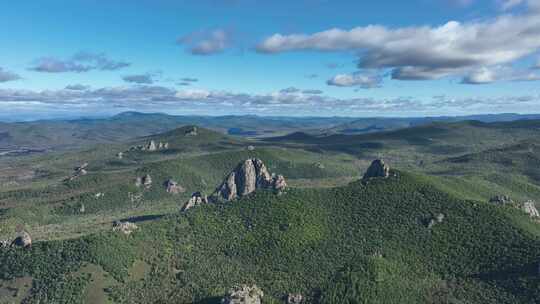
(360, 80)
(425, 52)
(482, 76)
(206, 42)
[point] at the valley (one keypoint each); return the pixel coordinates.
(106, 224)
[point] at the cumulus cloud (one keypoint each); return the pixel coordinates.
(360, 80)
(139, 78)
(482, 76)
(509, 4)
(189, 79)
(499, 73)
(77, 87)
(78, 63)
(6, 76)
(207, 42)
(425, 52)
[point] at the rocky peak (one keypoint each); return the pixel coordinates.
(529, 207)
(144, 181)
(196, 199)
(248, 176)
(192, 131)
(22, 240)
(124, 227)
(295, 298)
(243, 295)
(377, 169)
(501, 200)
(173, 187)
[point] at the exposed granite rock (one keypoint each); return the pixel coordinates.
(192, 131)
(529, 207)
(248, 176)
(99, 195)
(501, 200)
(377, 169)
(151, 146)
(196, 199)
(251, 148)
(279, 184)
(82, 209)
(172, 187)
(295, 298)
(22, 240)
(243, 295)
(125, 227)
(145, 181)
(438, 219)
(120, 155)
(4, 243)
(78, 172)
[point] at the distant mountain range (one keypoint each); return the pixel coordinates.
(75, 133)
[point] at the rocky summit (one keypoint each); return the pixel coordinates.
(249, 176)
(530, 208)
(501, 200)
(22, 240)
(377, 169)
(243, 295)
(196, 199)
(173, 187)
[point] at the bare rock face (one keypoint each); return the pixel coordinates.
(530, 208)
(196, 199)
(501, 200)
(249, 176)
(192, 131)
(279, 183)
(295, 298)
(173, 187)
(145, 181)
(151, 146)
(438, 219)
(78, 172)
(120, 155)
(4, 243)
(124, 227)
(377, 169)
(22, 240)
(243, 295)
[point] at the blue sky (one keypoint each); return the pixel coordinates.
(305, 57)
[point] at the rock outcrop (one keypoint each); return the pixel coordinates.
(243, 295)
(377, 169)
(438, 219)
(295, 298)
(192, 131)
(120, 155)
(151, 146)
(4, 243)
(501, 200)
(529, 207)
(78, 172)
(196, 199)
(124, 227)
(248, 176)
(173, 187)
(22, 240)
(145, 181)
